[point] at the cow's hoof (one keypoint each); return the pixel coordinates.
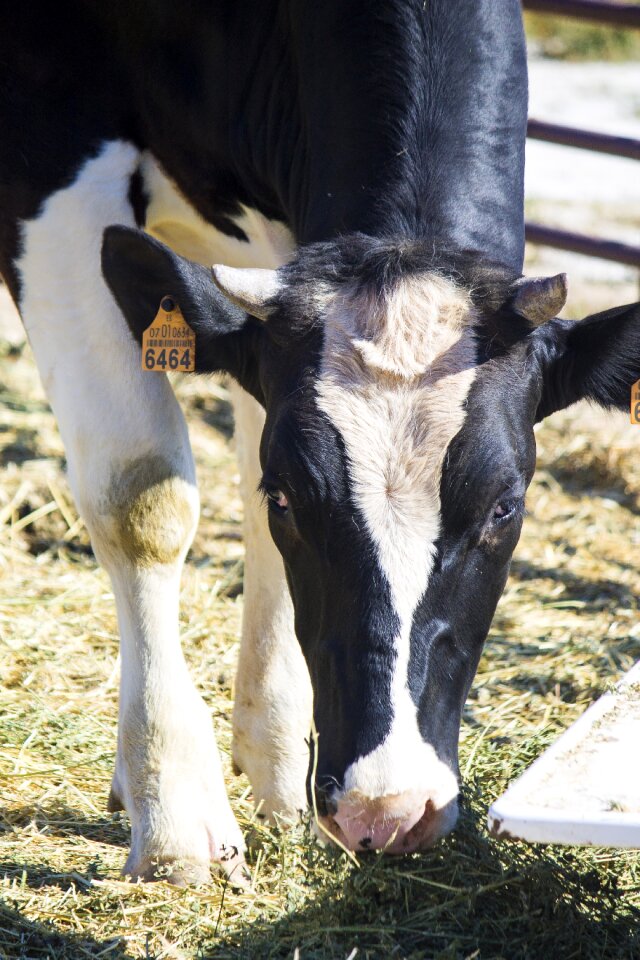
(182, 850)
(184, 873)
(179, 873)
(234, 868)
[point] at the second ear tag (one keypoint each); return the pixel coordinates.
(169, 343)
(635, 403)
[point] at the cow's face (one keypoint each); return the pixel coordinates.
(397, 450)
(394, 468)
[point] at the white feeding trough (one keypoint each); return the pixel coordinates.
(585, 789)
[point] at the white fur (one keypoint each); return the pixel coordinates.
(248, 287)
(172, 219)
(112, 415)
(272, 709)
(393, 381)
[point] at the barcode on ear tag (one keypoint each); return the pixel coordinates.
(169, 343)
(635, 403)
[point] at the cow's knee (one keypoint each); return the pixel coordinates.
(147, 514)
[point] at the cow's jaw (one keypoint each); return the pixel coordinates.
(393, 382)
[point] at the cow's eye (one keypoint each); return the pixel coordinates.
(504, 510)
(277, 499)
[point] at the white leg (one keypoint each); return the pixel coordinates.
(272, 711)
(132, 474)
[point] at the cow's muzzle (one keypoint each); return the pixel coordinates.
(401, 823)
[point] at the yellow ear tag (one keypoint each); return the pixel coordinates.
(169, 343)
(635, 403)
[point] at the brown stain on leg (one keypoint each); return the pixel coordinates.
(151, 512)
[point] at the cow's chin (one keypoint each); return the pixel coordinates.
(396, 825)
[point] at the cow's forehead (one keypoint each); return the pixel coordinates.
(393, 380)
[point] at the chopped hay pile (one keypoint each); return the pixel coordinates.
(566, 628)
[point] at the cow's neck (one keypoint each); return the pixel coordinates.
(424, 138)
(421, 137)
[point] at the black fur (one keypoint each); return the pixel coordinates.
(138, 198)
(596, 359)
(334, 118)
(141, 271)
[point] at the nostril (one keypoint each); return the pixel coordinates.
(396, 824)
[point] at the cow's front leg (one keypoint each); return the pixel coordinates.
(168, 775)
(272, 712)
(132, 474)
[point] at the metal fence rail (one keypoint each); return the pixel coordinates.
(585, 139)
(581, 243)
(615, 14)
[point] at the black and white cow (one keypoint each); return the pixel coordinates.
(357, 170)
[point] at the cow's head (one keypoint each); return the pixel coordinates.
(401, 390)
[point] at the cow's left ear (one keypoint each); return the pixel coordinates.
(595, 359)
(140, 271)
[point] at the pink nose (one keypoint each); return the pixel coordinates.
(397, 824)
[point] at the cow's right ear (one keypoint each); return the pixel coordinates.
(595, 359)
(141, 271)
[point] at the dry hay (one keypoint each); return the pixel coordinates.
(566, 628)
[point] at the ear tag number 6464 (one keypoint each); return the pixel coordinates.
(635, 403)
(169, 343)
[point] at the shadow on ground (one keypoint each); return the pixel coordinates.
(596, 479)
(472, 896)
(215, 412)
(596, 595)
(62, 821)
(501, 899)
(37, 876)
(29, 940)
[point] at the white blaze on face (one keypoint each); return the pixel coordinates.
(394, 379)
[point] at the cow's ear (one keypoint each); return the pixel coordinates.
(595, 359)
(140, 272)
(538, 299)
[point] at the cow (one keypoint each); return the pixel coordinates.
(354, 171)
